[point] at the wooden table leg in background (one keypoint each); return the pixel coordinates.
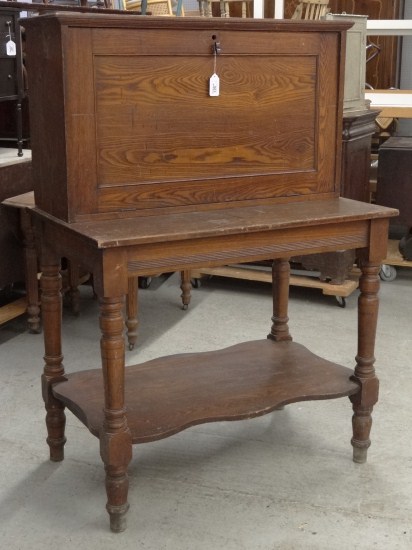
(280, 294)
(280, 291)
(186, 288)
(132, 320)
(31, 269)
(73, 292)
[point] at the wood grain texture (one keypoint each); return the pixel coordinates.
(166, 395)
(220, 222)
(157, 123)
(144, 134)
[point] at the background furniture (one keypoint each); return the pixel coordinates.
(226, 8)
(154, 7)
(11, 67)
(382, 72)
(311, 9)
(394, 184)
(15, 178)
(73, 276)
(251, 174)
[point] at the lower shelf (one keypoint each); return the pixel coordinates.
(169, 394)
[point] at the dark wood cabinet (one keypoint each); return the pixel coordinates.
(11, 68)
(15, 178)
(358, 128)
(394, 182)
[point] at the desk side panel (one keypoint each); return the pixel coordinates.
(44, 61)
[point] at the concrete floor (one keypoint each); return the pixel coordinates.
(283, 481)
(9, 156)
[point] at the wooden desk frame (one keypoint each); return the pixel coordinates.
(158, 176)
(116, 419)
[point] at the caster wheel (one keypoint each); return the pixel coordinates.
(195, 283)
(341, 301)
(144, 282)
(387, 273)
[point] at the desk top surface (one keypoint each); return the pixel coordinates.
(138, 230)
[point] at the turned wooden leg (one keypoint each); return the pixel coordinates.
(366, 398)
(73, 273)
(280, 289)
(131, 311)
(30, 270)
(186, 288)
(115, 437)
(51, 303)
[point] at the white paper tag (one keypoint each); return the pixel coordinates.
(10, 48)
(214, 85)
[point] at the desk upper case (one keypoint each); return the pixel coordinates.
(138, 170)
(130, 125)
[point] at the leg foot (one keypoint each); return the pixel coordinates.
(362, 422)
(360, 454)
(56, 449)
(118, 521)
(55, 422)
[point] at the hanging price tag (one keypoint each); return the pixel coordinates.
(214, 85)
(10, 48)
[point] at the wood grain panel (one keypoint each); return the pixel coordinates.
(169, 128)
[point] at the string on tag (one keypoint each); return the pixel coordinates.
(214, 81)
(10, 45)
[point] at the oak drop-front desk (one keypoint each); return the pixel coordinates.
(139, 170)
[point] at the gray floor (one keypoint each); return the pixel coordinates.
(284, 481)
